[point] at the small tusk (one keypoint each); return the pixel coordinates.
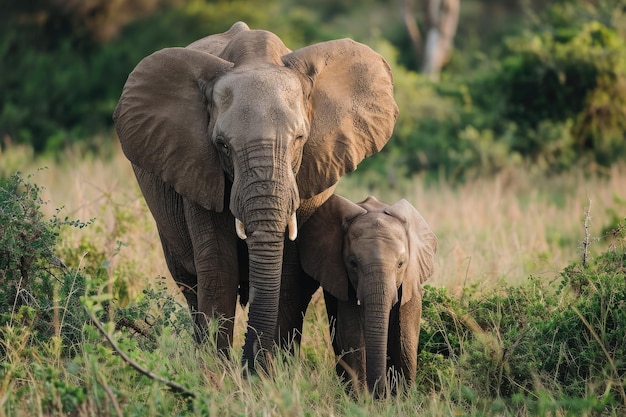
(358, 302)
(292, 227)
(241, 229)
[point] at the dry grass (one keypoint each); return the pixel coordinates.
(490, 230)
(510, 226)
(502, 228)
(87, 187)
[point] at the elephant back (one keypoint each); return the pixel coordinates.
(215, 44)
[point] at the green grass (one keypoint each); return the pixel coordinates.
(513, 325)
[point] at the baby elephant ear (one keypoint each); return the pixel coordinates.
(162, 122)
(353, 111)
(320, 244)
(422, 247)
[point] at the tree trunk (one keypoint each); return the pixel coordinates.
(443, 19)
(410, 23)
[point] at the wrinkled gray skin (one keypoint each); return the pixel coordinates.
(237, 126)
(371, 259)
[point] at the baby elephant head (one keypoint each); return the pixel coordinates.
(370, 257)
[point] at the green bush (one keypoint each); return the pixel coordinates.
(36, 289)
(552, 97)
(549, 90)
(26, 238)
(59, 85)
(566, 338)
(45, 331)
(577, 80)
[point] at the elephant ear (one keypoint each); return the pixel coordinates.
(215, 44)
(372, 204)
(320, 244)
(422, 247)
(162, 122)
(353, 111)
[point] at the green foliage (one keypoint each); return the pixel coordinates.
(36, 289)
(25, 237)
(43, 319)
(552, 96)
(542, 348)
(50, 95)
(153, 313)
(60, 84)
(545, 86)
(574, 80)
(520, 343)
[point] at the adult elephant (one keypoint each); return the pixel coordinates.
(233, 134)
(371, 258)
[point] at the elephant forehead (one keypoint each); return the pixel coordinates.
(259, 103)
(262, 84)
(377, 228)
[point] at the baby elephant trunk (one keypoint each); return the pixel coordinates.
(376, 308)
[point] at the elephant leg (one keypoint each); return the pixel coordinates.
(331, 313)
(217, 268)
(351, 344)
(344, 371)
(167, 208)
(404, 329)
(187, 282)
(394, 349)
(296, 291)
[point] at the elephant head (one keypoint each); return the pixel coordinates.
(372, 256)
(238, 121)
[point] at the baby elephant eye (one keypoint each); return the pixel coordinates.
(400, 264)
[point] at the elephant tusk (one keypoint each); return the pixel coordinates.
(292, 227)
(241, 229)
(358, 302)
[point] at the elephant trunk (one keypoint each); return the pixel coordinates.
(265, 194)
(264, 199)
(376, 307)
(265, 251)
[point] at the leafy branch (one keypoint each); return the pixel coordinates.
(173, 386)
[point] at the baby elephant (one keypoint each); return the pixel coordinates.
(371, 259)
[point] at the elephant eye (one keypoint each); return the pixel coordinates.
(223, 147)
(352, 262)
(400, 264)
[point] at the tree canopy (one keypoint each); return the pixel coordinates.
(525, 82)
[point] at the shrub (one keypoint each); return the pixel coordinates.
(553, 97)
(36, 289)
(575, 79)
(45, 331)
(566, 338)
(25, 238)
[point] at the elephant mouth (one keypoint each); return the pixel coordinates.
(292, 228)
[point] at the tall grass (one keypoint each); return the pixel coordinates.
(493, 232)
(505, 227)
(509, 226)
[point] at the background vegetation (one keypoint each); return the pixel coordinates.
(514, 323)
(528, 83)
(515, 158)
